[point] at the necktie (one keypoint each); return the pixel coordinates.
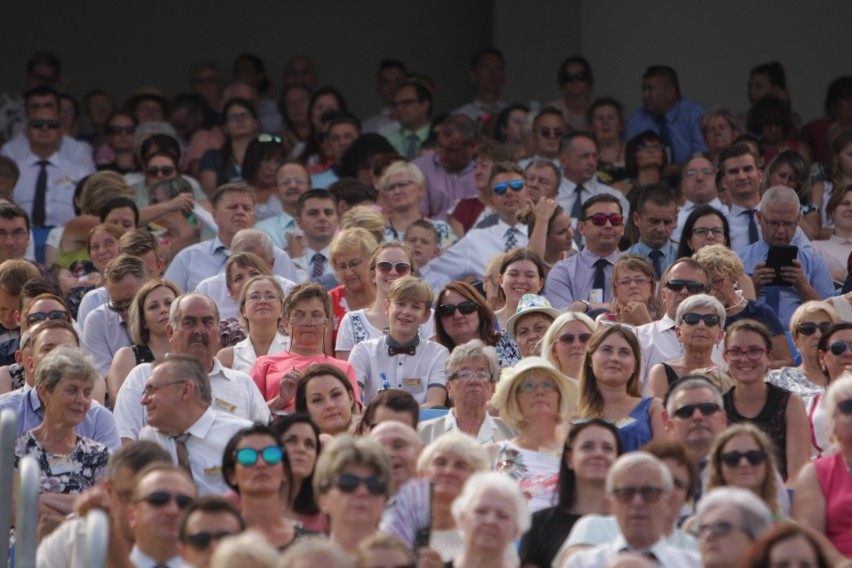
(409, 350)
(412, 146)
(317, 267)
(182, 452)
(600, 278)
(664, 131)
(40, 195)
(773, 298)
(656, 255)
(577, 208)
(511, 240)
(752, 226)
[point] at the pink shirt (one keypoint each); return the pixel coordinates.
(836, 485)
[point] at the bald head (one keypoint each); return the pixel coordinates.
(403, 446)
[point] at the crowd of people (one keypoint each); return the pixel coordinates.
(265, 332)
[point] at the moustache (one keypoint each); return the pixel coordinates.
(199, 338)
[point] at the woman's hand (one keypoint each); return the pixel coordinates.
(635, 313)
(287, 386)
(544, 209)
(183, 202)
(428, 558)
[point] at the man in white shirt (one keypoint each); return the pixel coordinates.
(548, 128)
(316, 216)
(741, 179)
(698, 186)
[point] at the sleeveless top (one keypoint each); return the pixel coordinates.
(635, 430)
(142, 353)
(671, 376)
(771, 419)
(836, 485)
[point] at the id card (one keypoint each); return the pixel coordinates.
(412, 385)
(224, 405)
(60, 464)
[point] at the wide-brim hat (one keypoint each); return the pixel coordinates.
(530, 304)
(567, 388)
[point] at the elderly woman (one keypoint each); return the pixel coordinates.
(535, 399)
(836, 249)
(565, 341)
(67, 462)
(349, 255)
(789, 544)
(352, 481)
(634, 283)
(530, 322)
(491, 513)
(719, 129)
(698, 325)
(326, 395)
(728, 521)
(472, 371)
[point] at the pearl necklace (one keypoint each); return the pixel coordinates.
(737, 305)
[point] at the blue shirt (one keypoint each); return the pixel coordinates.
(571, 279)
(105, 333)
(738, 223)
(98, 425)
(816, 273)
(277, 228)
(669, 254)
(197, 262)
(683, 123)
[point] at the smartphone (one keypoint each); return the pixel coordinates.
(778, 257)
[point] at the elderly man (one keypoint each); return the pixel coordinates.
(808, 277)
(472, 371)
(178, 399)
(698, 186)
(729, 520)
(193, 330)
(638, 486)
(403, 446)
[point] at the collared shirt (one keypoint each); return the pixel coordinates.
(568, 194)
(739, 222)
(277, 228)
(434, 279)
(105, 333)
(233, 392)
(443, 188)
(217, 288)
(669, 254)
(683, 123)
(209, 436)
(92, 299)
(492, 430)
(197, 262)
(98, 425)
(816, 273)
(659, 344)
(399, 138)
(74, 151)
(381, 123)
(471, 254)
(446, 235)
(477, 110)
(245, 355)
(835, 251)
(414, 374)
(305, 262)
(65, 547)
(687, 208)
(571, 279)
(666, 555)
(142, 560)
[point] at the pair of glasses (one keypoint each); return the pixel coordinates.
(753, 457)
(247, 457)
(151, 390)
(256, 298)
(398, 185)
(546, 132)
(838, 348)
(810, 328)
(648, 494)
(600, 219)
(707, 172)
(503, 186)
(352, 264)
(16, 234)
(569, 338)
(467, 375)
(238, 117)
(691, 318)
(154, 171)
(720, 528)
(202, 540)
(753, 353)
(163, 498)
(530, 386)
(42, 124)
(348, 483)
(638, 281)
(447, 310)
(692, 286)
(400, 267)
(51, 315)
(705, 408)
(119, 130)
(702, 231)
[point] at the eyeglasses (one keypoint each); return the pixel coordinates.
(845, 406)
(247, 457)
(838, 348)
(398, 185)
(693, 172)
(348, 483)
(42, 124)
(51, 315)
(551, 132)
(692, 318)
(151, 390)
(648, 494)
(16, 234)
(569, 77)
(733, 459)
(774, 225)
(692, 286)
(202, 540)
(702, 231)
(705, 408)
(467, 375)
(503, 186)
(810, 328)
(447, 310)
(119, 307)
(530, 386)
(255, 298)
(154, 171)
(650, 148)
(119, 130)
(238, 117)
(600, 219)
(720, 528)
(269, 138)
(753, 353)
(626, 282)
(400, 267)
(354, 263)
(569, 338)
(163, 498)
(304, 320)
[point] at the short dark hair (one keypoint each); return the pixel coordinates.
(119, 203)
(602, 102)
(395, 399)
(427, 225)
(10, 210)
(474, 62)
(386, 64)
(258, 151)
(423, 94)
(36, 287)
(138, 242)
(658, 193)
(9, 169)
(315, 193)
(44, 58)
(41, 91)
(666, 72)
(774, 71)
(562, 75)
(229, 455)
(304, 501)
(683, 249)
(209, 504)
(770, 110)
(549, 111)
(735, 151)
(339, 118)
(599, 198)
(568, 139)
(322, 369)
(352, 192)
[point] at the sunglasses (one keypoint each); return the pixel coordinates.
(838, 348)
(51, 315)
(503, 186)
(117, 307)
(348, 483)
(42, 124)
(720, 528)
(467, 307)
(648, 494)
(551, 132)
(709, 320)
(119, 130)
(600, 219)
(733, 459)
(163, 498)
(200, 541)
(354, 263)
(569, 338)
(845, 406)
(154, 171)
(247, 457)
(809, 328)
(400, 267)
(269, 138)
(692, 286)
(706, 409)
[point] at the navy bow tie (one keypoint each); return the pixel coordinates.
(401, 350)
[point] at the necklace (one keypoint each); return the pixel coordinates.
(737, 305)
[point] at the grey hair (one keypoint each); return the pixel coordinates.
(322, 551)
(701, 301)
(172, 187)
(693, 381)
(555, 329)
(838, 391)
(636, 459)
(186, 367)
(480, 482)
(65, 361)
(146, 130)
(756, 516)
(247, 549)
(471, 350)
(779, 196)
(256, 241)
(539, 163)
(174, 309)
(464, 446)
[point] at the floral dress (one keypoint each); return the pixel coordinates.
(66, 474)
(537, 473)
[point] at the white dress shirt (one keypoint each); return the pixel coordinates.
(305, 262)
(142, 560)
(217, 288)
(666, 555)
(567, 195)
(105, 333)
(91, 300)
(64, 547)
(470, 255)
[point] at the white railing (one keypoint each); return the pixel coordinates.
(26, 519)
(8, 431)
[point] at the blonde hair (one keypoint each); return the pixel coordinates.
(719, 259)
(354, 240)
(411, 289)
(455, 442)
(366, 218)
(505, 399)
(809, 309)
(551, 336)
(401, 167)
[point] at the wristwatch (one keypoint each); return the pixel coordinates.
(587, 304)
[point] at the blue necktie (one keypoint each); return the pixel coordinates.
(752, 226)
(773, 298)
(656, 255)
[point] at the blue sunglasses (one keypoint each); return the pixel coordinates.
(503, 186)
(247, 457)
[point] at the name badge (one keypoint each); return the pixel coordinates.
(60, 464)
(412, 385)
(215, 471)
(624, 422)
(224, 405)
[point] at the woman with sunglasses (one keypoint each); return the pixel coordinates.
(390, 260)
(633, 285)
(822, 497)
(462, 315)
(255, 466)
(300, 438)
(564, 343)
(698, 325)
(743, 456)
(349, 255)
(779, 413)
(240, 128)
(326, 395)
